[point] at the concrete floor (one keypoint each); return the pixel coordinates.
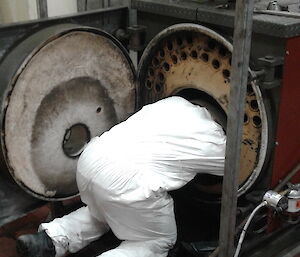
(187, 228)
(29, 224)
(190, 223)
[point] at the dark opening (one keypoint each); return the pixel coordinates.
(75, 139)
(209, 185)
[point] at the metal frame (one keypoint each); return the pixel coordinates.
(84, 5)
(206, 12)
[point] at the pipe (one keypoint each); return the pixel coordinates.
(257, 242)
(291, 174)
(239, 227)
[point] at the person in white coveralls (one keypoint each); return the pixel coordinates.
(124, 177)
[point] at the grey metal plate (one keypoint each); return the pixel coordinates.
(14, 203)
(109, 20)
(271, 25)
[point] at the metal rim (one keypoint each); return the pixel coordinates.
(146, 61)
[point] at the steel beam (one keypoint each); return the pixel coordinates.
(239, 77)
(132, 22)
(206, 13)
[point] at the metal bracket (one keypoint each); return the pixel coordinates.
(134, 37)
(268, 74)
(137, 37)
(42, 8)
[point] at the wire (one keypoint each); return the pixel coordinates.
(242, 236)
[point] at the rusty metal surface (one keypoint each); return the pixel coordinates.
(287, 150)
(189, 56)
(71, 75)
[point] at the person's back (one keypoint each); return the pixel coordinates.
(170, 137)
(125, 174)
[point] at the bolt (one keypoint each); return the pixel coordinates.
(269, 57)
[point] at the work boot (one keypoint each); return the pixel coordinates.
(35, 245)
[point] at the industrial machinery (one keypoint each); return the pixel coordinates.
(66, 80)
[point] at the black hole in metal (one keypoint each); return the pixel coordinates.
(204, 57)
(229, 60)
(170, 46)
(246, 119)
(257, 121)
(190, 40)
(211, 44)
(216, 64)
(179, 41)
(155, 61)
(183, 56)
(162, 53)
(226, 73)
(194, 54)
(148, 84)
(166, 66)
(158, 88)
(161, 76)
(151, 72)
(249, 89)
(75, 140)
(174, 59)
(222, 51)
(254, 105)
(99, 109)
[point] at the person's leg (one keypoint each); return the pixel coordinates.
(74, 231)
(153, 248)
(147, 227)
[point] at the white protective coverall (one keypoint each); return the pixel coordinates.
(125, 174)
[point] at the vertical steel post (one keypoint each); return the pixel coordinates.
(133, 20)
(239, 77)
(42, 8)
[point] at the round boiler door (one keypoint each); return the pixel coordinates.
(195, 62)
(73, 86)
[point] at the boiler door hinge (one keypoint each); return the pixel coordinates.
(134, 37)
(270, 71)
